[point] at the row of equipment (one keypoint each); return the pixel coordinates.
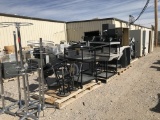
(70, 65)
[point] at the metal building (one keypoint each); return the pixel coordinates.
(144, 40)
(42, 28)
(77, 29)
(56, 31)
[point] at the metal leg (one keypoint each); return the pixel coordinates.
(19, 92)
(116, 64)
(27, 83)
(5, 109)
(42, 77)
(39, 81)
(63, 91)
(95, 66)
(106, 65)
(81, 71)
(2, 92)
(25, 94)
(18, 81)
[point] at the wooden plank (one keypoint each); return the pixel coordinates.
(48, 99)
(110, 79)
(76, 92)
(122, 70)
(61, 103)
(53, 93)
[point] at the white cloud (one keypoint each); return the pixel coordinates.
(67, 10)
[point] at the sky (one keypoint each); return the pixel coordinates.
(73, 10)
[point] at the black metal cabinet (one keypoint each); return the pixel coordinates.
(9, 69)
(125, 59)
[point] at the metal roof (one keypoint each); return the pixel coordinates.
(33, 18)
(41, 19)
(97, 19)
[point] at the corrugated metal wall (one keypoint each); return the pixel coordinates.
(76, 30)
(125, 25)
(120, 24)
(52, 31)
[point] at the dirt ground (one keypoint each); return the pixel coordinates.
(133, 95)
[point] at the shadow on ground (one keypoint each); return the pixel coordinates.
(158, 62)
(156, 67)
(9, 99)
(8, 96)
(157, 107)
(33, 87)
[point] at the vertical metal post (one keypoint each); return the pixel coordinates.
(27, 85)
(106, 63)
(156, 22)
(63, 86)
(39, 80)
(2, 90)
(82, 69)
(18, 80)
(116, 64)
(95, 65)
(22, 67)
(42, 77)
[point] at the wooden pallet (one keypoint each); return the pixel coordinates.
(122, 70)
(61, 102)
(47, 98)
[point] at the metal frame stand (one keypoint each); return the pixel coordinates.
(25, 111)
(41, 101)
(26, 108)
(7, 109)
(18, 80)
(30, 109)
(18, 103)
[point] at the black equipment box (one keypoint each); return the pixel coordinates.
(125, 59)
(36, 53)
(107, 26)
(9, 69)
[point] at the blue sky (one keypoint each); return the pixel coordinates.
(72, 10)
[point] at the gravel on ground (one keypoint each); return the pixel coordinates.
(133, 95)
